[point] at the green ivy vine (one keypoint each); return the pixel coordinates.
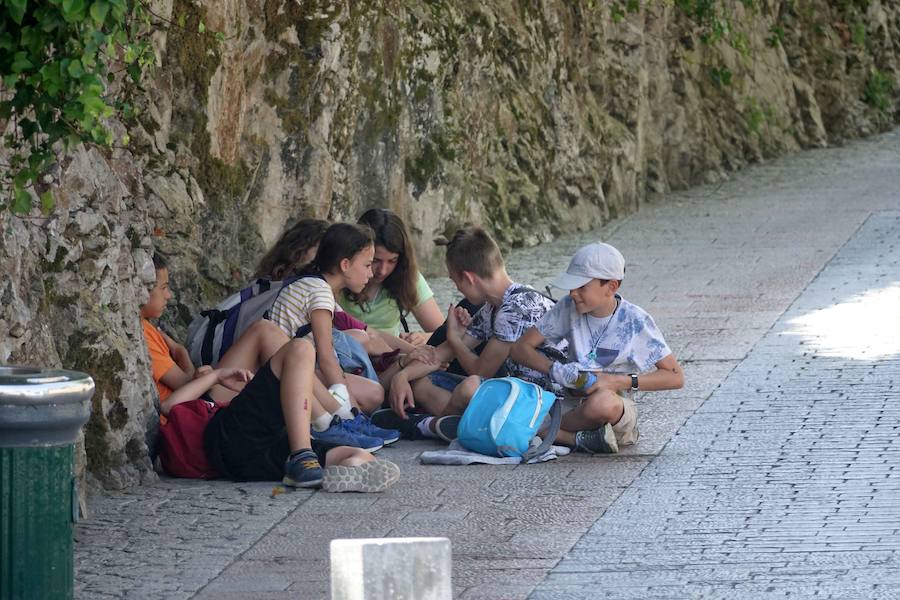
(58, 59)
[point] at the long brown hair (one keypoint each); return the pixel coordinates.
(340, 241)
(283, 259)
(391, 233)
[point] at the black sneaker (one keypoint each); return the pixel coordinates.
(600, 441)
(446, 427)
(303, 470)
(386, 418)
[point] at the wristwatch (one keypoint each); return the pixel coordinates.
(634, 381)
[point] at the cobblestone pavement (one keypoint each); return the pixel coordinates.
(755, 479)
(785, 483)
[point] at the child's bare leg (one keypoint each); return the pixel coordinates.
(354, 470)
(461, 395)
(294, 365)
(257, 345)
(429, 397)
(368, 394)
(330, 406)
(347, 457)
(595, 410)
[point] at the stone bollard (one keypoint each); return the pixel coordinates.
(391, 569)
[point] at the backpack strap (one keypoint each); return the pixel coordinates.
(206, 348)
(404, 323)
(550, 437)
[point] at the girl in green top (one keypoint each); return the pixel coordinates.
(396, 287)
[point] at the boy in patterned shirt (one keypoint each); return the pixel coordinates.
(476, 266)
(611, 342)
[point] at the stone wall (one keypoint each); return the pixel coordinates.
(533, 119)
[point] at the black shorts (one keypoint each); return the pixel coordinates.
(247, 440)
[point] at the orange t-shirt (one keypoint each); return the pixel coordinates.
(160, 359)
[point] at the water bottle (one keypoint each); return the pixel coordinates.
(585, 380)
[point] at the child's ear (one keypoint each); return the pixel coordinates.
(614, 285)
(470, 277)
(345, 264)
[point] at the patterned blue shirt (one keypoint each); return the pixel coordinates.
(628, 341)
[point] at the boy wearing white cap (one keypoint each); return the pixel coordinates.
(613, 348)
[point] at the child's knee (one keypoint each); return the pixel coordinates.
(264, 327)
(300, 349)
(469, 386)
(603, 407)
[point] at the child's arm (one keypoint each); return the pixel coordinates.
(400, 394)
(176, 378)
(179, 354)
(428, 315)
(231, 378)
(461, 343)
(667, 376)
(321, 321)
(525, 352)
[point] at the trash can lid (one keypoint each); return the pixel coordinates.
(34, 385)
(42, 407)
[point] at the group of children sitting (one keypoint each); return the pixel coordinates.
(282, 407)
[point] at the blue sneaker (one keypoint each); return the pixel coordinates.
(361, 423)
(339, 434)
(303, 470)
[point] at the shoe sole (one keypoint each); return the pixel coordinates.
(302, 484)
(372, 476)
(447, 428)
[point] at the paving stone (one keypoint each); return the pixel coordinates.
(772, 474)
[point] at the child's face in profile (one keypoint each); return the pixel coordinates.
(159, 295)
(358, 270)
(465, 287)
(592, 296)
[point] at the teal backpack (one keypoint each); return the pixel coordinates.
(504, 415)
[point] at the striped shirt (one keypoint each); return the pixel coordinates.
(297, 301)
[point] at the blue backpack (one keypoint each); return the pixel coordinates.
(504, 415)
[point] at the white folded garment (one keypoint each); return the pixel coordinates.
(455, 454)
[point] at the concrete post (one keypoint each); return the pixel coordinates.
(391, 569)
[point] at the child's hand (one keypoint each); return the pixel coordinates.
(564, 374)
(458, 320)
(234, 379)
(401, 396)
(463, 316)
(416, 338)
(178, 353)
(605, 381)
(202, 370)
(423, 354)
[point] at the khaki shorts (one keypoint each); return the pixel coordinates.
(626, 429)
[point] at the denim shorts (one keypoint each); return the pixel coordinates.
(446, 381)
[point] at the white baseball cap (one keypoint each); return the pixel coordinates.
(594, 261)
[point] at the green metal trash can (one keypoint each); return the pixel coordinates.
(41, 411)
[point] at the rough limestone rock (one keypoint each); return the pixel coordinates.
(532, 119)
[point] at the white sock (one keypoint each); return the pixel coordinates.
(425, 427)
(345, 413)
(322, 422)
